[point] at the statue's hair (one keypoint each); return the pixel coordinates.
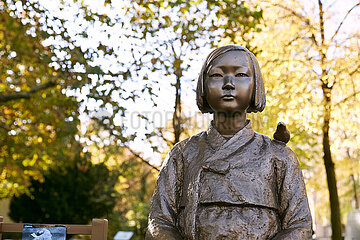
(257, 103)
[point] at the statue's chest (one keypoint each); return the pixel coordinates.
(241, 178)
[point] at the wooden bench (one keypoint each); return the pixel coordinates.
(98, 228)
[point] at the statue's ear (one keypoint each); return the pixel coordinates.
(281, 133)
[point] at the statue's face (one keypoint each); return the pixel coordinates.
(229, 83)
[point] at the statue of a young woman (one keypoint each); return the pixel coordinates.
(230, 182)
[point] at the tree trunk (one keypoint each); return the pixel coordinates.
(330, 169)
(328, 162)
(356, 198)
(177, 108)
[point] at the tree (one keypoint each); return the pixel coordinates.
(42, 65)
(136, 186)
(37, 121)
(77, 62)
(173, 43)
(317, 66)
(75, 193)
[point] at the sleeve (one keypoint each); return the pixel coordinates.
(296, 222)
(163, 211)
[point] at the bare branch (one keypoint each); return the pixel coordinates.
(331, 4)
(131, 150)
(355, 70)
(301, 17)
(341, 23)
(346, 69)
(322, 27)
(279, 61)
(168, 142)
(343, 40)
(347, 98)
(299, 36)
(292, 12)
(27, 94)
(141, 158)
(313, 38)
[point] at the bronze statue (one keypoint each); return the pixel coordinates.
(230, 182)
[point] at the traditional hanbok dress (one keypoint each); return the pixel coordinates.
(245, 187)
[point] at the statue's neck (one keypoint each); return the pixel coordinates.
(229, 123)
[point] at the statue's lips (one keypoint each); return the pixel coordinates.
(228, 97)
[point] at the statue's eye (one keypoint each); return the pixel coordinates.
(241, 75)
(216, 75)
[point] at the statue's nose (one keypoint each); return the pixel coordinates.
(228, 83)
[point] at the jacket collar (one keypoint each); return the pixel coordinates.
(217, 141)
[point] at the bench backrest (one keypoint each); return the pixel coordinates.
(97, 229)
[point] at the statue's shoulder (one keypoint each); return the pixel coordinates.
(283, 153)
(279, 149)
(188, 143)
(182, 150)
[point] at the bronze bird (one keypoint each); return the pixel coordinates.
(281, 133)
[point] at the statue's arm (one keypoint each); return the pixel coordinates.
(294, 208)
(163, 210)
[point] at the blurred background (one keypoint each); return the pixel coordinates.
(93, 94)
